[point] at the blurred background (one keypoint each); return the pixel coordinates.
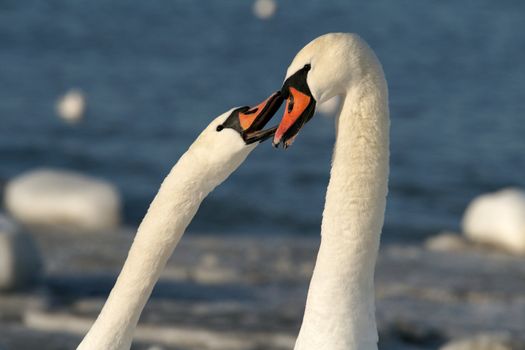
(116, 92)
(155, 73)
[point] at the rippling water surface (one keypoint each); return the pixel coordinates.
(156, 72)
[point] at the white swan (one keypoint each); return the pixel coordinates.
(216, 153)
(340, 306)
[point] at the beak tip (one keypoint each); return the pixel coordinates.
(276, 141)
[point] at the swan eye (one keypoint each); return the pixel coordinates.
(307, 66)
(220, 127)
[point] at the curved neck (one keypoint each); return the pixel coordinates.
(340, 312)
(177, 201)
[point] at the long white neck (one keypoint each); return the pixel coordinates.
(177, 201)
(340, 310)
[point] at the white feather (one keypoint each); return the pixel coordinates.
(206, 164)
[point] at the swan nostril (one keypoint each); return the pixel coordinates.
(220, 127)
(290, 103)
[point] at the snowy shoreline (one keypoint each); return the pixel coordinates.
(248, 292)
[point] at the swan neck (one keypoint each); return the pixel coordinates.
(340, 310)
(177, 201)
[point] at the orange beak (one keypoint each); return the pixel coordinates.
(300, 107)
(249, 122)
(256, 117)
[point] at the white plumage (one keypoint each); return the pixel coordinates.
(340, 308)
(339, 312)
(207, 163)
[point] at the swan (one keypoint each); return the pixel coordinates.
(340, 309)
(215, 154)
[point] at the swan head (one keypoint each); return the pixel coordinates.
(321, 70)
(235, 133)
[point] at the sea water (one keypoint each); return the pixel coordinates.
(154, 73)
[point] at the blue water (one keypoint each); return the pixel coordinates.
(155, 73)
